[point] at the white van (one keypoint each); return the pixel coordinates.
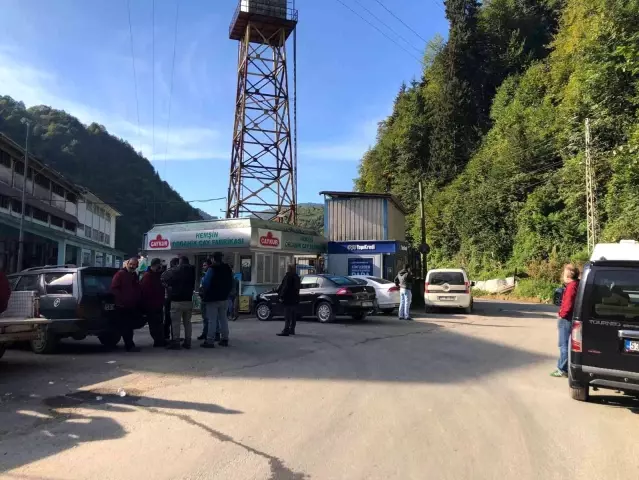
(448, 288)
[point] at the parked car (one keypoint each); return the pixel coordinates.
(604, 345)
(77, 301)
(21, 321)
(386, 292)
(324, 297)
(448, 288)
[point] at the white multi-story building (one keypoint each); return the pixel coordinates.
(64, 222)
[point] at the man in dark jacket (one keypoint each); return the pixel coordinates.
(404, 280)
(181, 284)
(167, 303)
(289, 295)
(125, 287)
(153, 301)
(216, 288)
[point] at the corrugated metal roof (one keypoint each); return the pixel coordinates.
(388, 196)
(230, 223)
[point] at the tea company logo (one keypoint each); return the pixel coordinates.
(159, 243)
(270, 240)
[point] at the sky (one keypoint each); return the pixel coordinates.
(78, 55)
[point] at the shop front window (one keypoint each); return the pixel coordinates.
(246, 264)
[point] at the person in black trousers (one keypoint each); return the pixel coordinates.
(289, 295)
(167, 305)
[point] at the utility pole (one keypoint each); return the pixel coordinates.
(591, 201)
(422, 219)
(24, 194)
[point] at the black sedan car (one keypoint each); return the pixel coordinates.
(324, 297)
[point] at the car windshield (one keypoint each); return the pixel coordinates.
(381, 281)
(616, 295)
(342, 281)
(97, 282)
(451, 278)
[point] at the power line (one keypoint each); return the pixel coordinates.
(135, 75)
(401, 21)
(380, 31)
(366, 9)
(153, 93)
(168, 123)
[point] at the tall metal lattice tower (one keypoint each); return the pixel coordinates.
(263, 179)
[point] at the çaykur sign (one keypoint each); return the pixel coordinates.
(269, 239)
(239, 237)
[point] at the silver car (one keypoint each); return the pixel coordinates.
(386, 292)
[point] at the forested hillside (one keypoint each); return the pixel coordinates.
(495, 129)
(106, 165)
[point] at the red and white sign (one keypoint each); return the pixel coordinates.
(159, 243)
(269, 239)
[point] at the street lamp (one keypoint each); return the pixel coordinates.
(27, 122)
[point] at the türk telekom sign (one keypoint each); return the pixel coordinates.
(269, 239)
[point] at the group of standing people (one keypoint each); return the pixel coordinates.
(163, 298)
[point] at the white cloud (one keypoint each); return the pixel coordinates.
(33, 86)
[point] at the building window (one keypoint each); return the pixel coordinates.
(96, 235)
(69, 226)
(5, 159)
(16, 205)
(107, 238)
(89, 207)
(40, 215)
(87, 231)
(108, 219)
(80, 227)
(57, 221)
(4, 202)
(246, 265)
(101, 237)
(42, 181)
(71, 197)
(19, 168)
(58, 190)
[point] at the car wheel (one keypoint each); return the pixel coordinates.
(429, 309)
(324, 312)
(580, 393)
(2, 350)
(469, 309)
(263, 312)
(110, 339)
(47, 342)
(577, 390)
(358, 316)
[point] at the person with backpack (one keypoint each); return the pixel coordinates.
(216, 289)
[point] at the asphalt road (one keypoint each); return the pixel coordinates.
(449, 396)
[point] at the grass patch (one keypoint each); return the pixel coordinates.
(535, 288)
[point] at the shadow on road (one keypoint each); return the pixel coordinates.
(618, 401)
(381, 350)
(56, 428)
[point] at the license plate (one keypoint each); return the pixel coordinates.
(631, 346)
(446, 298)
(109, 307)
(367, 304)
